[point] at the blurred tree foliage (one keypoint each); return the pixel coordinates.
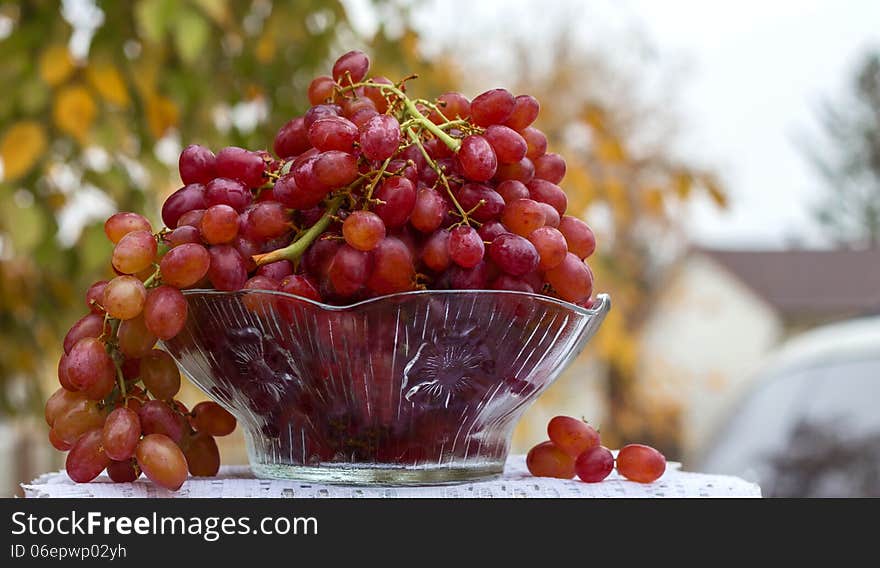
(158, 74)
(850, 162)
(624, 180)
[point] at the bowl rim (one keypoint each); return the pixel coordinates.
(601, 303)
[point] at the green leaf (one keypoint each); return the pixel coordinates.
(154, 18)
(191, 33)
(94, 248)
(24, 224)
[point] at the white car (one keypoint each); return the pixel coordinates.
(810, 425)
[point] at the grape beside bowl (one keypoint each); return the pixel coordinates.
(413, 388)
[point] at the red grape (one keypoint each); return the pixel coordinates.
(547, 460)
(219, 225)
(134, 339)
(121, 433)
(393, 269)
(158, 418)
(292, 139)
(160, 375)
(183, 235)
(94, 297)
(191, 219)
(333, 133)
(162, 461)
(511, 190)
(571, 435)
(276, 271)
(184, 199)
(484, 202)
(88, 363)
(123, 471)
(202, 455)
(513, 254)
(134, 252)
(551, 247)
(289, 194)
(121, 224)
(60, 401)
(228, 270)
(580, 238)
(571, 279)
(349, 270)
(197, 164)
(334, 169)
(363, 230)
(80, 417)
(466, 248)
(477, 159)
(231, 192)
(210, 418)
(508, 145)
(594, 464)
(379, 137)
(525, 111)
(522, 171)
(376, 94)
(299, 285)
(242, 165)
(321, 89)
(522, 216)
(87, 458)
(453, 106)
(640, 463)
(550, 167)
(429, 210)
(399, 198)
(124, 297)
(352, 65)
(492, 107)
(550, 193)
(536, 142)
(435, 253)
(90, 325)
(185, 265)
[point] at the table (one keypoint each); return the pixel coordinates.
(237, 481)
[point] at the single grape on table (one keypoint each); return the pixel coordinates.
(368, 193)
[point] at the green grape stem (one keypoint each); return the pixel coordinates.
(413, 111)
(297, 248)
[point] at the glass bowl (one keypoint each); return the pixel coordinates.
(419, 387)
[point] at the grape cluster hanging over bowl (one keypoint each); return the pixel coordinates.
(383, 294)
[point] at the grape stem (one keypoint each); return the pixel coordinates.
(296, 249)
(413, 111)
(153, 277)
(440, 173)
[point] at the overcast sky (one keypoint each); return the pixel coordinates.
(755, 72)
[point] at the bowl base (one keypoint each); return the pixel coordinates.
(381, 474)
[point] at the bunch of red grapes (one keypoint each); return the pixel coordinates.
(369, 193)
(575, 448)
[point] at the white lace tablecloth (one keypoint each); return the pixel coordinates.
(237, 481)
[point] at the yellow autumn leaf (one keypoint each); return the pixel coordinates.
(652, 199)
(105, 79)
(595, 117)
(609, 149)
(74, 111)
(162, 114)
(716, 192)
(21, 147)
(55, 64)
(265, 50)
(683, 182)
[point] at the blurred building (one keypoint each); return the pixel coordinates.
(721, 313)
